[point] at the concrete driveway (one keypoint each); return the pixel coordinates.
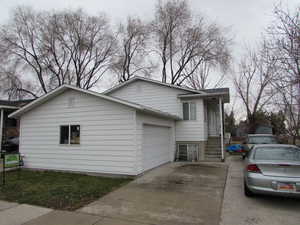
(259, 210)
(176, 193)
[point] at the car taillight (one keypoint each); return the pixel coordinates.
(253, 168)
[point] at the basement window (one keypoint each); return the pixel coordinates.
(187, 152)
(70, 134)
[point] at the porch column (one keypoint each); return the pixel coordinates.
(222, 129)
(1, 127)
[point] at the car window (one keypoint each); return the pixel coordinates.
(248, 153)
(262, 140)
(277, 153)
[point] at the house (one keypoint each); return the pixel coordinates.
(128, 129)
(9, 127)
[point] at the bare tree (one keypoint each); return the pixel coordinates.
(133, 37)
(253, 82)
(55, 48)
(170, 20)
(205, 48)
(284, 44)
(187, 42)
(287, 101)
(202, 78)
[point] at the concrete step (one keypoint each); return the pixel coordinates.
(213, 160)
(213, 150)
(213, 153)
(213, 146)
(213, 141)
(210, 158)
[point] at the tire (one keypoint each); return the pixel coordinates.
(248, 193)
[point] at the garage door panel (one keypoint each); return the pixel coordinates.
(156, 146)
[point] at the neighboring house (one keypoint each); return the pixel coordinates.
(128, 129)
(9, 127)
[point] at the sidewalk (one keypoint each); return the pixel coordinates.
(23, 214)
(16, 214)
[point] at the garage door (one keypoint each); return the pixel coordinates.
(156, 146)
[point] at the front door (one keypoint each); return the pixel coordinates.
(213, 119)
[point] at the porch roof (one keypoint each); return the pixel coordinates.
(211, 94)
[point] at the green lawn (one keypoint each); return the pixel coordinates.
(55, 189)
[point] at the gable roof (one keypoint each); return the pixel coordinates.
(65, 87)
(136, 78)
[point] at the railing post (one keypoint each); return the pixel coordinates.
(222, 129)
(1, 127)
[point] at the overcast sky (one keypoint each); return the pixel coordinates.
(246, 18)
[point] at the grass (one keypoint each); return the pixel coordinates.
(56, 190)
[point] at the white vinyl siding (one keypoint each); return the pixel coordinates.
(192, 130)
(166, 99)
(143, 120)
(107, 135)
(152, 95)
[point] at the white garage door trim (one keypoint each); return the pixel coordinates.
(156, 145)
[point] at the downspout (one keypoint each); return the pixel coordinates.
(222, 129)
(1, 127)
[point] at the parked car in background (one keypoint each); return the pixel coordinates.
(255, 139)
(272, 169)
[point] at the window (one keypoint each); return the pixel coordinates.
(282, 154)
(189, 111)
(262, 140)
(64, 135)
(182, 154)
(188, 152)
(70, 134)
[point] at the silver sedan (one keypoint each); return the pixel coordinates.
(272, 169)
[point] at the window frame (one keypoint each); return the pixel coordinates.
(69, 134)
(189, 110)
(188, 145)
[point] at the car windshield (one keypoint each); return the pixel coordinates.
(262, 140)
(277, 153)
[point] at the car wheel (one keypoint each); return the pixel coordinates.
(247, 191)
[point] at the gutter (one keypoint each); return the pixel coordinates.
(161, 114)
(203, 95)
(8, 107)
